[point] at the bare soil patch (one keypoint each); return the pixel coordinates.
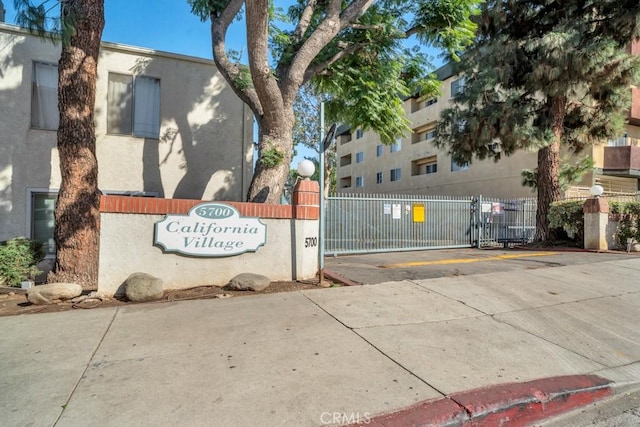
(13, 301)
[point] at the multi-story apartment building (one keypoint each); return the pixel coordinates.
(413, 165)
(167, 125)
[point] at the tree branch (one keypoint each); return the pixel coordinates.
(265, 82)
(319, 68)
(305, 20)
(335, 21)
(231, 72)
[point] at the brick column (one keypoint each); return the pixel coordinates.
(596, 218)
(306, 200)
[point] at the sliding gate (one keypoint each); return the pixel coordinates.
(357, 223)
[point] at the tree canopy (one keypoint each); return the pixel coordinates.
(354, 52)
(544, 73)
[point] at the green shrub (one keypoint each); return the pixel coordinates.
(628, 215)
(567, 214)
(18, 259)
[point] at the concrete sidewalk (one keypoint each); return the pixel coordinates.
(332, 356)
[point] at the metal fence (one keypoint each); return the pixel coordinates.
(504, 222)
(361, 223)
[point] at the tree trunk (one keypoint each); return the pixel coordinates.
(548, 171)
(77, 216)
(275, 146)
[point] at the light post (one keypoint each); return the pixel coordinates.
(325, 142)
(306, 168)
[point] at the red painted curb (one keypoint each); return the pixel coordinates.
(340, 279)
(516, 404)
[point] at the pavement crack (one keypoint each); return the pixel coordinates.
(89, 363)
(379, 350)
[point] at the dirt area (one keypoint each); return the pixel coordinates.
(13, 301)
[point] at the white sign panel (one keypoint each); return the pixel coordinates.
(210, 230)
(397, 212)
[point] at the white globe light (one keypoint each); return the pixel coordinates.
(596, 190)
(306, 168)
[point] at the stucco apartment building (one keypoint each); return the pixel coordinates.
(413, 165)
(167, 125)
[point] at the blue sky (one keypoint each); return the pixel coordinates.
(168, 25)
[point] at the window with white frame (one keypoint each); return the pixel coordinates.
(396, 174)
(44, 96)
(133, 106)
(359, 181)
(457, 86)
(359, 133)
(359, 157)
(397, 146)
(455, 166)
(379, 178)
(379, 150)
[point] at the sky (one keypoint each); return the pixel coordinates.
(166, 25)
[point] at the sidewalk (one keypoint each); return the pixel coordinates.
(333, 356)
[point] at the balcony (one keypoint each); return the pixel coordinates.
(622, 161)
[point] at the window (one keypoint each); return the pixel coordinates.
(359, 181)
(359, 133)
(44, 96)
(359, 157)
(345, 182)
(397, 146)
(133, 106)
(431, 101)
(396, 174)
(424, 166)
(457, 86)
(379, 150)
(455, 166)
(43, 205)
(379, 178)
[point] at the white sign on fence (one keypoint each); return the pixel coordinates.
(210, 230)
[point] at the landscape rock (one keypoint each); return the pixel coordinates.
(248, 282)
(53, 293)
(142, 287)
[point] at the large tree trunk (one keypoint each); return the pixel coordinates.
(77, 216)
(275, 146)
(549, 170)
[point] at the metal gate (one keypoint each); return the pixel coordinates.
(359, 223)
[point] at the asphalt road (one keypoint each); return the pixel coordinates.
(622, 410)
(415, 265)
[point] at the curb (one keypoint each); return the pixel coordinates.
(515, 404)
(340, 279)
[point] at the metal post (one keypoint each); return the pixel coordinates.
(480, 222)
(322, 215)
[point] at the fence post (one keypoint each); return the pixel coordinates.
(596, 217)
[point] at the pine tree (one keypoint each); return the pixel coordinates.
(544, 74)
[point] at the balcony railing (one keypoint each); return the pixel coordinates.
(624, 141)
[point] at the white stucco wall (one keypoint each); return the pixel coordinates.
(126, 246)
(204, 151)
